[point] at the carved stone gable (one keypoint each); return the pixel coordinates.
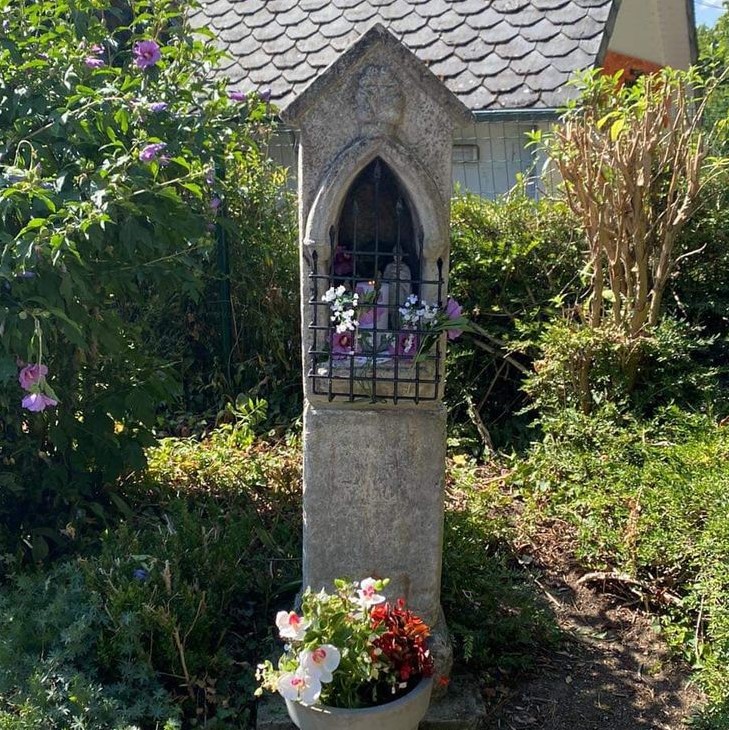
(378, 100)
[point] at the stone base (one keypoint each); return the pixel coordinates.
(462, 708)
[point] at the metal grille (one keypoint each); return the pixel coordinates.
(376, 252)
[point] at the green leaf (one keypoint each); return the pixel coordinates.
(616, 128)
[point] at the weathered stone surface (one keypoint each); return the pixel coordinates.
(373, 499)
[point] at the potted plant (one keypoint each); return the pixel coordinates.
(352, 660)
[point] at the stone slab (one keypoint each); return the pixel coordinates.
(462, 708)
(373, 500)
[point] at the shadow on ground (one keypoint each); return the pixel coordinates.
(549, 652)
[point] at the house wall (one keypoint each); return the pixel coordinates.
(655, 31)
(487, 156)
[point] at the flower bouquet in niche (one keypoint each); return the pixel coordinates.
(351, 653)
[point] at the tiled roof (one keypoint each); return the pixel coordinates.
(493, 54)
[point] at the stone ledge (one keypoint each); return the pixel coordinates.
(462, 708)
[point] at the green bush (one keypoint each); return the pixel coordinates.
(512, 268)
(111, 182)
(586, 367)
(497, 620)
(648, 498)
(167, 619)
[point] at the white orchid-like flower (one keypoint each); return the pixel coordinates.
(299, 685)
(321, 662)
(367, 594)
(291, 625)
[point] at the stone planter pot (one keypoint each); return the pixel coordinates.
(404, 713)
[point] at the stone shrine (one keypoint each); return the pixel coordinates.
(374, 199)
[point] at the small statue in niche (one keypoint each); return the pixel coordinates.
(398, 274)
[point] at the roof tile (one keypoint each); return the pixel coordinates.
(360, 13)
(448, 67)
(292, 17)
(484, 20)
(268, 32)
(494, 54)
(515, 48)
(432, 8)
(409, 24)
(302, 30)
(435, 52)
(313, 44)
(475, 50)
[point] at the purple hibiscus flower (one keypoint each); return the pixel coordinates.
(406, 346)
(454, 311)
(158, 106)
(31, 375)
(149, 152)
(265, 95)
(342, 344)
(37, 402)
(237, 95)
(93, 62)
(146, 54)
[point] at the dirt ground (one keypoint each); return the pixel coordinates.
(611, 673)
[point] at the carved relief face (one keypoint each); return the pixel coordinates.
(378, 101)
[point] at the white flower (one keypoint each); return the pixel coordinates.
(299, 685)
(291, 625)
(367, 593)
(320, 662)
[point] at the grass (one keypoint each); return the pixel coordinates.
(650, 500)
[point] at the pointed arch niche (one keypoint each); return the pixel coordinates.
(372, 330)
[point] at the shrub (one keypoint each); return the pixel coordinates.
(110, 183)
(166, 620)
(647, 498)
(586, 367)
(498, 622)
(512, 265)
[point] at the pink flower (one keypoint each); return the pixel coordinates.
(320, 662)
(237, 95)
(31, 375)
(407, 344)
(93, 62)
(367, 593)
(146, 54)
(291, 625)
(150, 151)
(454, 311)
(342, 343)
(299, 686)
(37, 402)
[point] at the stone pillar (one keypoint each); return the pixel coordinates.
(374, 430)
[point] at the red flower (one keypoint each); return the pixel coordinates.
(403, 641)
